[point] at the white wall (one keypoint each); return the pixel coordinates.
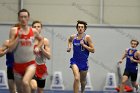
(8, 10)
(69, 11)
(109, 43)
(122, 11)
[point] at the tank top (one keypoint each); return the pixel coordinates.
(131, 66)
(24, 49)
(40, 58)
(80, 53)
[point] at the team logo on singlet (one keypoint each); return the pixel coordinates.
(26, 42)
(77, 44)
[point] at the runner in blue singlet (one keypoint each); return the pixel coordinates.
(82, 45)
(80, 54)
(132, 56)
(9, 64)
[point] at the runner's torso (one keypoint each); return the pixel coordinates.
(24, 50)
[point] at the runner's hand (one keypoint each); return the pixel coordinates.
(82, 42)
(68, 49)
(120, 61)
(36, 50)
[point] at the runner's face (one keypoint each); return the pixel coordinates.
(23, 18)
(38, 27)
(133, 44)
(81, 28)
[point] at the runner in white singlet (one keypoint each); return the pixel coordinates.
(41, 58)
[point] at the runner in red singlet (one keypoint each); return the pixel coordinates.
(22, 42)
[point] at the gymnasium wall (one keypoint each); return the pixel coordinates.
(109, 41)
(124, 12)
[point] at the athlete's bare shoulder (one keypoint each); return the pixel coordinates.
(88, 36)
(13, 32)
(138, 52)
(13, 29)
(126, 49)
(46, 41)
(71, 37)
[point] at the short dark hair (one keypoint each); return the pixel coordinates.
(23, 10)
(81, 22)
(134, 41)
(36, 21)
